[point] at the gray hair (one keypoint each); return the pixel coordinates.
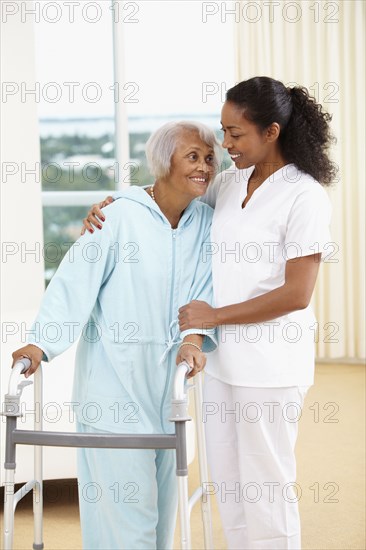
(162, 143)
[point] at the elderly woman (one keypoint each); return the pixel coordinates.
(121, 289)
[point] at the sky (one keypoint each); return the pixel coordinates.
(176, 58)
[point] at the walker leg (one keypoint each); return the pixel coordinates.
(182, 473)
(203, 468)
(8, 510)
(9, 466)
(185, 531)
(38, 474)
(38, 507)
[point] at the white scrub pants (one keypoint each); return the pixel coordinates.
(127, 497)
(251, 436)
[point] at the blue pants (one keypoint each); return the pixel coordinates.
(127, 497)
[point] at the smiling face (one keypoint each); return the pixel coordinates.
(192, 165)
(246, 143)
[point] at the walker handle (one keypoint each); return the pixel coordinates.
(179, 381)
(19, 368)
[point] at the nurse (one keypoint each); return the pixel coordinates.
(120, 290)
(270, 229)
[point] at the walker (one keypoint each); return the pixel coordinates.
(39, 438)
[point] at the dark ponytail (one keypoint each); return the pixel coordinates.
(305, 134)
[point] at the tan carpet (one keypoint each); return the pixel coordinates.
(331, 475)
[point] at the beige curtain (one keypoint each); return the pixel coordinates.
(321, 45)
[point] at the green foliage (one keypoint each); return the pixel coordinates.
(59, 176)
(68, 145)
(61, 228)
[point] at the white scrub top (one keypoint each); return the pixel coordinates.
(288, 216)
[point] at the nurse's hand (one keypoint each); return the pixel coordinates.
(95, 216)
(31, 352)
(197, 314)
(195, 359)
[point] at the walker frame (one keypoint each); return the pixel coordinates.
(40, 438)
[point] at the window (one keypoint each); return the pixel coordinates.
(110, 73)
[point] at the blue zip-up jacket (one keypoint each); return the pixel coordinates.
(120, 290)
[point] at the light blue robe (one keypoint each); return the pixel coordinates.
(120, 289)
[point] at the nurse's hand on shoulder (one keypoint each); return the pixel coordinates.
(194, 358)
(95, 216)
(31, 352)
(197, 314)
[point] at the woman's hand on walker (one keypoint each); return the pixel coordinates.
(197, 314)
(95, 216)
(31, 352)
(195, 359)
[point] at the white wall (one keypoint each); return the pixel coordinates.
(22, 280)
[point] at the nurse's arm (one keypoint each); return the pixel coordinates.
(295, 294)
